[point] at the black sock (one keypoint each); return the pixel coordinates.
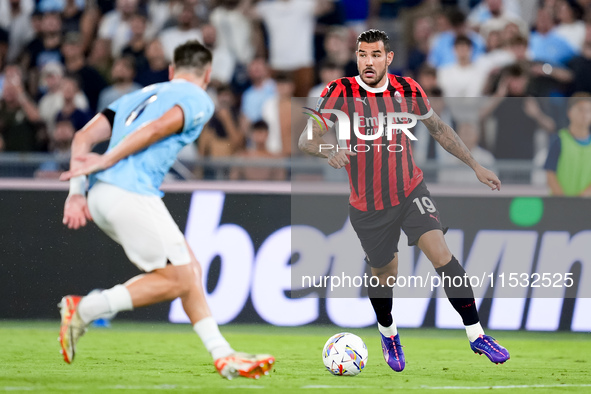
(462, 297)
(381, 300)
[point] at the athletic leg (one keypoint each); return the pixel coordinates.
(381, 299)
(433, 245)
(379, 232)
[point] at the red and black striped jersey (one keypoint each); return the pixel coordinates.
(383, 173)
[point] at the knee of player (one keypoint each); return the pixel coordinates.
(440, 259)
(439, 255)
(184, 283)
(388, 278)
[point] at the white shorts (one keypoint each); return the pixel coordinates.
(141, 224)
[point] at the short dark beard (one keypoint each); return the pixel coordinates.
(379, 79)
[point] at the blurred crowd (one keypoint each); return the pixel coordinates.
(62, 61)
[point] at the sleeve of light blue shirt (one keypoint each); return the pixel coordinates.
(196, 110)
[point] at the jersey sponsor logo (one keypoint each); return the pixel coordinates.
(140, 109)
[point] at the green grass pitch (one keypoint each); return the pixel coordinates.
(145, 357)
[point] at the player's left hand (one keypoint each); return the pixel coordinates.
(84, 165)
(76, 213)
(488, 177)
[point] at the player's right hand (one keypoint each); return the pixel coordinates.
(76, 212)
(340, 159)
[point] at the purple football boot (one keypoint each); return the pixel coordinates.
(393, 353)
(487, 345)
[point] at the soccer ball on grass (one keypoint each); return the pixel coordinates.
(344, 354)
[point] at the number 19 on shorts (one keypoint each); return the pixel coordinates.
(425, 205)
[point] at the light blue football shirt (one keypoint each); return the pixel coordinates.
(144, 171)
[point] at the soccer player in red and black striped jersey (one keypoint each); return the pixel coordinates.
(387, 189)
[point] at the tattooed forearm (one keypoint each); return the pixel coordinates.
(312, 146)
(449, 140)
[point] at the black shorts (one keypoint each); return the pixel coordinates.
(379, 231)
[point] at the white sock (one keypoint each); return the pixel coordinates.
(100, 304)
(474, 331)
(388, 331)
(212, 338)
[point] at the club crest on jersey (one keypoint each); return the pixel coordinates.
(398, 97)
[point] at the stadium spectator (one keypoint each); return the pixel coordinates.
(276, 113)
(581, 67)
(157, 68)
(15, 19)
(3, 53)
(427, 78)
(122, 75)
(186, 29)
(464, 78)
(442, 50)
(568, 166)
(136, 46)
(59, 145)
(115, 25)
(514, 51)
(262, 88)
(339, 51)
(100, 57)
(328, 71)
(53, 101)
(503, 46)
(21, 126)
(72, 12)
(70, 111)
(257, 150)
(546, 45)
(91, 82)
(513, 28)
(517, 118)
(62, 138)
(360, 13)
(493, 9)
(47, 48)
(221, 137)
(43, 50)
(571, 28)
(234, 31)
(454, 171)
(223, 65)
(421, 34)
(290, 52)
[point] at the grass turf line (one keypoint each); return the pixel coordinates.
(146, 357)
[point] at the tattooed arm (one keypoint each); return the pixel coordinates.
(316, 146)
(452, 143)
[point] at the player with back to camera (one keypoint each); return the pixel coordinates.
(147, 129)
(388, 193)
